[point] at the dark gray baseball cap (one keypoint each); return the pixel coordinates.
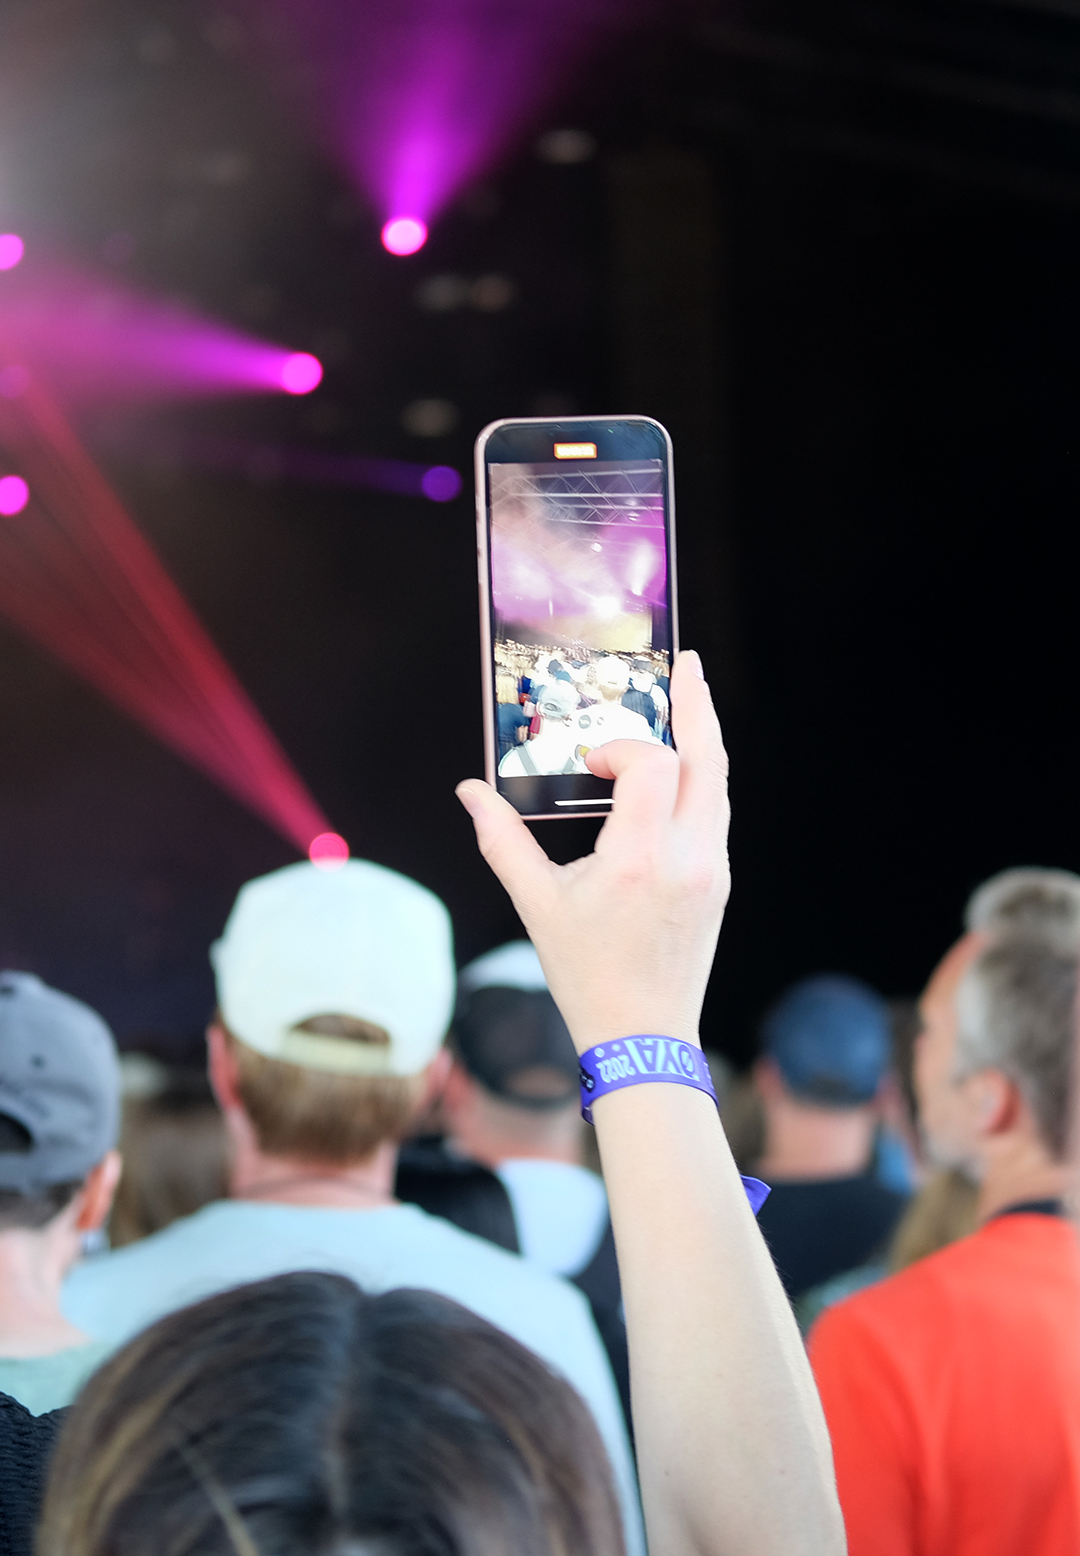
(59, 1080)
(508, 1032)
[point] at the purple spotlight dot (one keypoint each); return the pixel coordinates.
(301, 373)
(328, 851)
(404, 235)
(14, 495)
(12, 249)
(440, 483)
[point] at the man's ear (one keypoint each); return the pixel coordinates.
(96, 1195)
(222, 1068)
(458, 1088)
(996, 1101)
(768, 1081)
(435, 1078)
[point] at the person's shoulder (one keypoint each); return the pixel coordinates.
(123, 1265)
(855, 1195)
(49, 1382)
(26, 1440)
(927, 1290)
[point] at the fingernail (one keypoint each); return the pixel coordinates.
(695, 663)
(466, 797)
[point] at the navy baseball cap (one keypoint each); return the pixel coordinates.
(59, 1083)
(831, 1040)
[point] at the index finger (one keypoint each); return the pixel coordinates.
(646, 787)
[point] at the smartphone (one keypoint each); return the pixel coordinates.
(576, 548)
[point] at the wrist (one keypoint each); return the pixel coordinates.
(587, 1035)
(639, 1059)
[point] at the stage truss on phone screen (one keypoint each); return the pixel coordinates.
(605, 494)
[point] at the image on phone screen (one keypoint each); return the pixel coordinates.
(581, 630)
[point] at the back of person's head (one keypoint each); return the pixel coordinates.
(59, 1099)
(174, 1148)
(613, 673)
(508, 1033)
(335, 990)
(1030, 902)
(831, 1040)
(302, 1416)
(1015, 1002)
(1015, 1009)
(557, 700)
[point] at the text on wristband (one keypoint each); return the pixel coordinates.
(645, 1056)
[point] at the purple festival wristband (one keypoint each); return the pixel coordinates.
(633, 1061)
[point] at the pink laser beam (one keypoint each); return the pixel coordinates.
(81, 579)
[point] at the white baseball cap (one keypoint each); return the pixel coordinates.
(361, 941)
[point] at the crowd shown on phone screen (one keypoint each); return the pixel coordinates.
(555, 705)
(370, 1283)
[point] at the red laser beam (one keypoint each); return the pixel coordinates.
(81, 579)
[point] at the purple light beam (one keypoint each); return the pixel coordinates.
(421, 97)
(275, 461)
(96, 342)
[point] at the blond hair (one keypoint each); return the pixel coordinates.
(321, 1115)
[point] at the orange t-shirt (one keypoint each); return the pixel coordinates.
(952, 1393)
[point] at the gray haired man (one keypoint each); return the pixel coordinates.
(952, 1390)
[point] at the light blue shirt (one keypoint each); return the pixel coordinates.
(44, 1383)
(233, 1242)
(560, 1211)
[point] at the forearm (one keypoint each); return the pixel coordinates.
(732, 1445)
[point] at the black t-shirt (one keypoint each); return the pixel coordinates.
(26, 1443)
(822, 1227)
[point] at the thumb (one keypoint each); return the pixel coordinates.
(507, 844)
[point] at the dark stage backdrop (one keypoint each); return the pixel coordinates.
(859, 317)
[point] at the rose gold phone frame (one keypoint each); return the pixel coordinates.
(491, 740)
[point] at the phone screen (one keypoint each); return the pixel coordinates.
(580, 621)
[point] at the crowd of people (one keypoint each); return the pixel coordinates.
(376, 1286)
(554, 705)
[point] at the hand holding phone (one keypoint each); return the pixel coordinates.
(627, 934)
(576, 549)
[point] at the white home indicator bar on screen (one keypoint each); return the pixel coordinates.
(583, 802)
(575, 451)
